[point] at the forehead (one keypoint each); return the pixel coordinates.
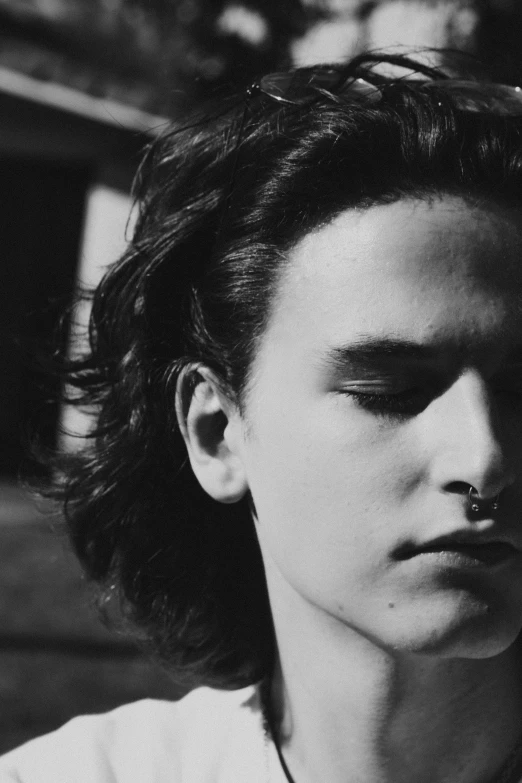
(416, 269)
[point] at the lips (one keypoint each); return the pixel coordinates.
(463, 547)
(489, 554)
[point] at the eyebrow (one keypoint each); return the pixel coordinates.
(370, 349)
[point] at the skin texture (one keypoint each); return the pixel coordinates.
(389, 669)
(338, 488)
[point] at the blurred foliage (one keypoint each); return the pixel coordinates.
(162, 55)
(166, 55)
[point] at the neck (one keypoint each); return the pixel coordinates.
(348, 710)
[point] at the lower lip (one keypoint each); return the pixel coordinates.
(486, 555)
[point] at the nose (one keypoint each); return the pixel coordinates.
(470, 440)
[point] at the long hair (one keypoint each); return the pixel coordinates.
(220, 204)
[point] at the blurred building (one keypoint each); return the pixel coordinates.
(67, 159)
(82, 86)
(66, 165)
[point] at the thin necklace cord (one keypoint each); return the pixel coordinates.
(510, 772)
(270, 731)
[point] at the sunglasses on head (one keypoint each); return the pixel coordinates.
(301, 86)
(304, 85)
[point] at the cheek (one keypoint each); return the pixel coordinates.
(330, 488)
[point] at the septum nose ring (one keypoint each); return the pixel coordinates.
(475, 501)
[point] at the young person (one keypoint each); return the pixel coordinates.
(306, 475)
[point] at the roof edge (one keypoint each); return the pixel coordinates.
(67, 99)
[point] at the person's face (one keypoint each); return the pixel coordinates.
(388, 381)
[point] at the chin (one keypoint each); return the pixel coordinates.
(470, 627)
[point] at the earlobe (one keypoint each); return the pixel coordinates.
(212, 429)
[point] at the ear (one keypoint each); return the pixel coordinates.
(212, 430)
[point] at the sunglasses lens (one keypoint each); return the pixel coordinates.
(300, 86)
(471, 96)
(277, 85)
(363, 89)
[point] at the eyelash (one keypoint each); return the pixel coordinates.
(406, 403)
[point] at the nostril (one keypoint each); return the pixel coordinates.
(457, 488)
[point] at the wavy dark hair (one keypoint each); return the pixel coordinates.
(220, 204)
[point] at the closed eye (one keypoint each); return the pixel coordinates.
(409, 402)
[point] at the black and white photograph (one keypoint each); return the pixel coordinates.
(260, 391)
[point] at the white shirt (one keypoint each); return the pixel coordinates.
(209, 736)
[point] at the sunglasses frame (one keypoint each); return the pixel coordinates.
(300, 86)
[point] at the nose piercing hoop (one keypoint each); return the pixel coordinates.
(475, 500)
